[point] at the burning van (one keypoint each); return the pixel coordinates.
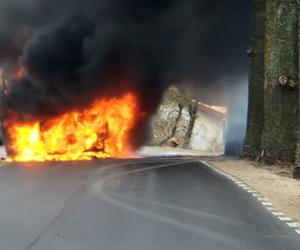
(3, 84)
(98, 130)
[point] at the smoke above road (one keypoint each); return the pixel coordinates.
(76, 50)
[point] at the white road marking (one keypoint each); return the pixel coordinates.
(293, 224)
(267, 203)
(264, 201)
(271, 209)
(239, 182)
(284, 218)
(278, 214)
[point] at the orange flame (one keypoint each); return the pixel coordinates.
(100, 131)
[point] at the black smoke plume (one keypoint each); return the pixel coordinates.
(76, 50)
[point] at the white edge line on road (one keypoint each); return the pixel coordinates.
(284, 218)
(272, 209)
(264, 201)
(278, 213)
(294, 225)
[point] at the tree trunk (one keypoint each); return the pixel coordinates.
(174, 129)
(192, 108)
(273, 121)
(281, 78)
(256, 55)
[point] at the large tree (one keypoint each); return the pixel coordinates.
(273, 131)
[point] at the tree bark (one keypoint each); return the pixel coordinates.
(281, 76)
(256, 53)
(174, 129)
(192, 108)
(273, 131)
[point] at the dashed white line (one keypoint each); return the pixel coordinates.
(264, 201)
(239, 183)
(293, 224)
(271, 209)
(284, 218)
(278, 214)
(267, 203)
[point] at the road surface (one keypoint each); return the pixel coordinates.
(170, 203)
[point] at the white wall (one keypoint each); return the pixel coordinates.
(208, 133)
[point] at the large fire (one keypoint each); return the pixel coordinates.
(99, 131)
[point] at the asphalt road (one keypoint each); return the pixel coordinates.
(142, 204)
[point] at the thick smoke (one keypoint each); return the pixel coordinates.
(75, 50)
(87, 52)
(236, 126)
